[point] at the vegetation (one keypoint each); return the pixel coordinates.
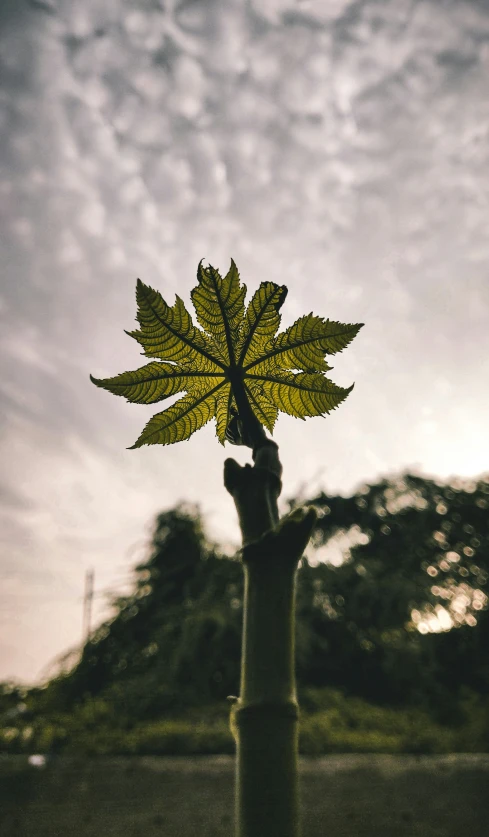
(154, 678)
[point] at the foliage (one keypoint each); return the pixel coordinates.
(176, 636)
(331, 722)
(414, 563)
(335, 723)
(237, 370)
(171, 649)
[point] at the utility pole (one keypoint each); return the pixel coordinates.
(87, 605)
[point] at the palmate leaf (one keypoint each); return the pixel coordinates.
(237, 369)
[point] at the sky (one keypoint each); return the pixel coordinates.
(340, 148)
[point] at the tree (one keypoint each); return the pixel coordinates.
(239, 371)
(403, 604)
(163, 647)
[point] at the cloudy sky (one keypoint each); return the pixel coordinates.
(340, 148)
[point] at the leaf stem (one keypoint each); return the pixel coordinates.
(254, 436)
(264, 719)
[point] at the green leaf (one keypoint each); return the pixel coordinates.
(236, 360)
(156, 381)
(223, 411)
(219, 304)
(265, 410)
(168, 332)
(261, 323)
(179, 421)
(304, 344)
(300, 394)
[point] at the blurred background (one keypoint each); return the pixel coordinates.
(340, 148)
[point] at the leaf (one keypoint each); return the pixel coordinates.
(219, 304)
(236, 370)
(304, 344)
(265, 410)
(261, 323)
(155, 381)
(179, 421)
(301, 394)
(223, 411)
(168, 333)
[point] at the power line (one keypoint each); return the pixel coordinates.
(87, 604)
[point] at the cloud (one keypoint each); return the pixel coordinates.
(338, 148)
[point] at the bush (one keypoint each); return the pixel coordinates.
(333, 723)
(181, 738)
(330, 723)
(324, 733)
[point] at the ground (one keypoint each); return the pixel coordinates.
(369, 796)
